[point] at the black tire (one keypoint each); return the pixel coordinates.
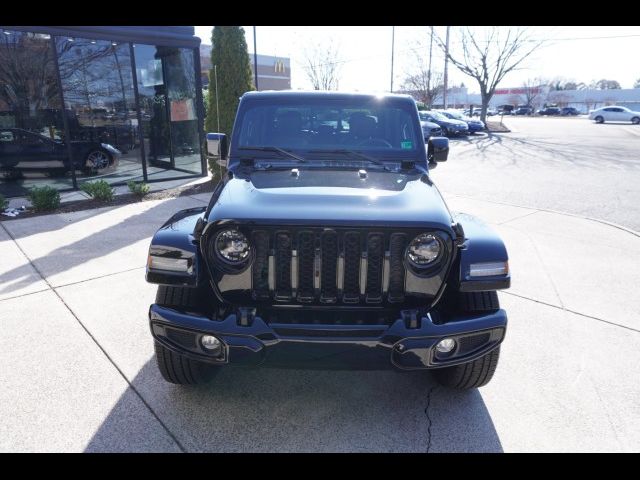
(599, 119)
(470, 302)
(473, 302)
(479, 372)
(635, 120)
(469, 375)
(174, 367)
(179, 297)
(178, 369)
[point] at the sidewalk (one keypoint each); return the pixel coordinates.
(78, 372)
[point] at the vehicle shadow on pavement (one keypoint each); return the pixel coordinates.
(282, 410)
(118, 231)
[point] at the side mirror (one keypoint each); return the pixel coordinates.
(437, 149)
(217, 146)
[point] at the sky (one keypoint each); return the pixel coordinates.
(581, 54)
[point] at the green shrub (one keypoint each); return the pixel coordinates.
(100, 190)
(217, 171)
(140, 189)
(44, 198)
(4, 203)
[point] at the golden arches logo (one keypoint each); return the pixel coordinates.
(279, 66)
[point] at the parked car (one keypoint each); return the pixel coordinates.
(22, 150)
(614, 114)
(477, 111)
(505, 109)
(474, 125)
(327, 248)
(566, 111)
(549, 111)
(523, 111)
(449, 126)
(430, 129)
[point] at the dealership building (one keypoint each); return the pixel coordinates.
(66, 92)
(274, 73)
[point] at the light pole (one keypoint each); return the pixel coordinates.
(446, 70)
(393, 40)
(255, 57)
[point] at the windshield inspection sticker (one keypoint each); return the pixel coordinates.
(406, 145)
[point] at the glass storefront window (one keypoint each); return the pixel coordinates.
(68, 111)
(167, 94)
(97, 85)
(32, 150)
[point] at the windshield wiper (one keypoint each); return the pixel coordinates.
(345, 151)
(274, 149)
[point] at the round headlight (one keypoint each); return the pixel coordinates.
(424, 250)
(232, 246)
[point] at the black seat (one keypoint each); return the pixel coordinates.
(362, 127)
(289, 130)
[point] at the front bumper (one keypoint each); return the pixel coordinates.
(407, 344)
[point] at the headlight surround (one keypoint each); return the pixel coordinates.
(232, 247)
(424, 251)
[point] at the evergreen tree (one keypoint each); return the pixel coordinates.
(229, 54)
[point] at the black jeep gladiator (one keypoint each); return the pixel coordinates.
(327, 245)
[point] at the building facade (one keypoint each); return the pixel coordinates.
(274, 73)
(66, 92)
(538, 97)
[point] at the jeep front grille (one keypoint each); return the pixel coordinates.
(328, 266)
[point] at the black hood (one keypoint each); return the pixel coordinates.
(332, 197)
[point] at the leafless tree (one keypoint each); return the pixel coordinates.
(532, 91)
(605, 84)
(422, 86)
(322, 66)
(490, 55)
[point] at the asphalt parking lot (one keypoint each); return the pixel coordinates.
(78, 372)
(568, 164)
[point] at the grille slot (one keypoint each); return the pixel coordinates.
(283, 266)
(397, 244)
(306, 252)
(328, 268)
(261, 266)
(352, 253)
(375, 257)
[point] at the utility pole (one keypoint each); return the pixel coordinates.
(429, 71)
(446, 70)
(255, 57)
(393, 41)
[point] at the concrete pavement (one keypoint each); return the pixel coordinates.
(78, 372)
(557, 163)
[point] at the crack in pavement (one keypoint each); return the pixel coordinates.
(426, 412)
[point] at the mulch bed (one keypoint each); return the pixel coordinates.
(79, 205)
(497, 127)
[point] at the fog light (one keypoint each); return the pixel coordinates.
(209, 342)
(446, 345)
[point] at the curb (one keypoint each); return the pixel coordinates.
(604, 222)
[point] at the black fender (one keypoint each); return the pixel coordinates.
(177, 239)
(481, 245)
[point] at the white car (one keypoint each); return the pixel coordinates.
(614, 113)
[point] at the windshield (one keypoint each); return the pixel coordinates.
(381, 129)
(430, 116)
(455, 115)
